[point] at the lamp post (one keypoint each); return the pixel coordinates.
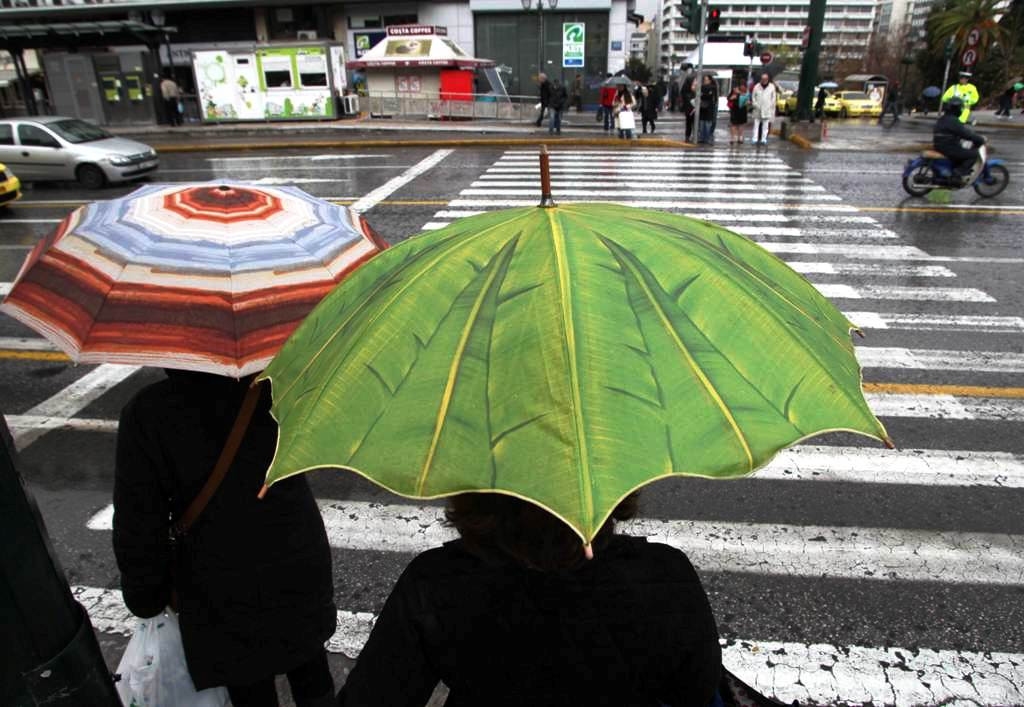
(552, 4)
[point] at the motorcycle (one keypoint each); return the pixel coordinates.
(933, 170)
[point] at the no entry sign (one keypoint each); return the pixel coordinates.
(766, 58)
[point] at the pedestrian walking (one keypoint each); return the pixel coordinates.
(819, 105)
(558, 101)
(708, 111)
(1005, 103)
(624, 118)
(545, 96)
(763, 104)
(649, 107)
(251, 580)
(607, 98)
(673, 95)
(688, 99)
(171, 94)
(892, 103)
(512, 614)
(577, 93)
(739, 105)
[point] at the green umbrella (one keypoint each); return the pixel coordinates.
(1018, 87)
(567, 356)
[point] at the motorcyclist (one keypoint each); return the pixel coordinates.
(966, 91)
(947, 136)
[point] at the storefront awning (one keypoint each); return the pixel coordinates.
(62, 35)
(417, 45)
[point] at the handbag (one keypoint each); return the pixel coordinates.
(153, 671)
(626, 119)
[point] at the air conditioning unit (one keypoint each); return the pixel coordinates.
(306, 34)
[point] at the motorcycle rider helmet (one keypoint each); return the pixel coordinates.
(954, 106)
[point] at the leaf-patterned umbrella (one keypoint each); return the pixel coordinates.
(565, 355)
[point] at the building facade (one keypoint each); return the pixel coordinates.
(524, 37)
(774, 23)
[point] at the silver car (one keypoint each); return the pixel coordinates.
(41, 148)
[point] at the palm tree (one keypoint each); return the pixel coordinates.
(958, 18)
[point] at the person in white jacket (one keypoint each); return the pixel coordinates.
(763, 109)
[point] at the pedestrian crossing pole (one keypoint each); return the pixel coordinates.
(51, 655)
(809, 65)
(700, 63)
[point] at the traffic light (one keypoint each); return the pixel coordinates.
(714, 18)
(750, 47)
(690, 10)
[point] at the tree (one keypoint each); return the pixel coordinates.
(637, 70)
(960, 18)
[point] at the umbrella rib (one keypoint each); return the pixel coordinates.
(568, 326)
(681, 345)
(496, 268)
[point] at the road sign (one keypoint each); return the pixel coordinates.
(806, 39)
(969, 58)
(973, 36)
(766, 58)
(573, 35)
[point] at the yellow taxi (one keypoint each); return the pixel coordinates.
(855, 103)
(782, 103)
(831, 107)
(10, 186)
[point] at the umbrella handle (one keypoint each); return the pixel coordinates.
(546, 201)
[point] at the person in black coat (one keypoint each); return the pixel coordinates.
(649, 106)
(545, 96)
(688, 95)
(947, 135)
(558, 102)
(252, 578)
(513, 614)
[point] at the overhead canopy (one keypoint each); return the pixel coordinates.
(417, 45)
(61, 35)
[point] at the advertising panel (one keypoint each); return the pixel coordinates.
(573, 36)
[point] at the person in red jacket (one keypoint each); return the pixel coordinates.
(607, 97)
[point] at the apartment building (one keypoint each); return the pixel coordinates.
(847, 31)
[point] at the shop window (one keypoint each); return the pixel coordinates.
(312, 71)
(401, 20)
(277, 71)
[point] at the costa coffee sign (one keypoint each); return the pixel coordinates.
(409, 30)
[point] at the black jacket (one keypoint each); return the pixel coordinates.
(254, 584)
(631, 628)
(948, 133)
(649, 104)
(708, 101)
(558, 99)
(545, 93)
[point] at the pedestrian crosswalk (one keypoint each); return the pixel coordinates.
(939, 351)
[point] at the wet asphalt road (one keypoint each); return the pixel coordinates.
(974, 243)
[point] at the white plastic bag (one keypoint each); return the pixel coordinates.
(626, 120)
(153, 670)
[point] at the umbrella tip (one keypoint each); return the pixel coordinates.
(262, 493)
(224, 187)
(888, 443)
(859, 332)
(588, 551)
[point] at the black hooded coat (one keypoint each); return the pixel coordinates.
(253, 578)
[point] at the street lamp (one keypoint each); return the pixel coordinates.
(552, 4)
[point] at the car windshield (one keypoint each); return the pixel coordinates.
(76, 131)
(855, 96)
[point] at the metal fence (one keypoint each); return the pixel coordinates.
(468, 106)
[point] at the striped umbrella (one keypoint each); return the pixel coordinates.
(207, 277)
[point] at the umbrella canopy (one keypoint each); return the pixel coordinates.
(618, 81)
(566, 356)
(207, 277)
(931, 92)
(828, 84)
(1018, 87)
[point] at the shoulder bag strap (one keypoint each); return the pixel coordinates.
(220, 470)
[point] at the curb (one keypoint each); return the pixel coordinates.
(801, 142)
(624, 145)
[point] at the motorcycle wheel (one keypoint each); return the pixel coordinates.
(999, 176)
(920, 181)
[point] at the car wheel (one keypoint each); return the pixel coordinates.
(90, 176)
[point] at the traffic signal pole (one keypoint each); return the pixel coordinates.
(700, 63)
(809, 66)
(50, 653)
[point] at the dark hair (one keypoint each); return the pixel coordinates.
(497, 526)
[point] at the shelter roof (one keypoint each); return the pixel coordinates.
(417, 45)
(60, 35)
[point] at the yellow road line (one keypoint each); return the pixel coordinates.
(973, 391)
(33, 355)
